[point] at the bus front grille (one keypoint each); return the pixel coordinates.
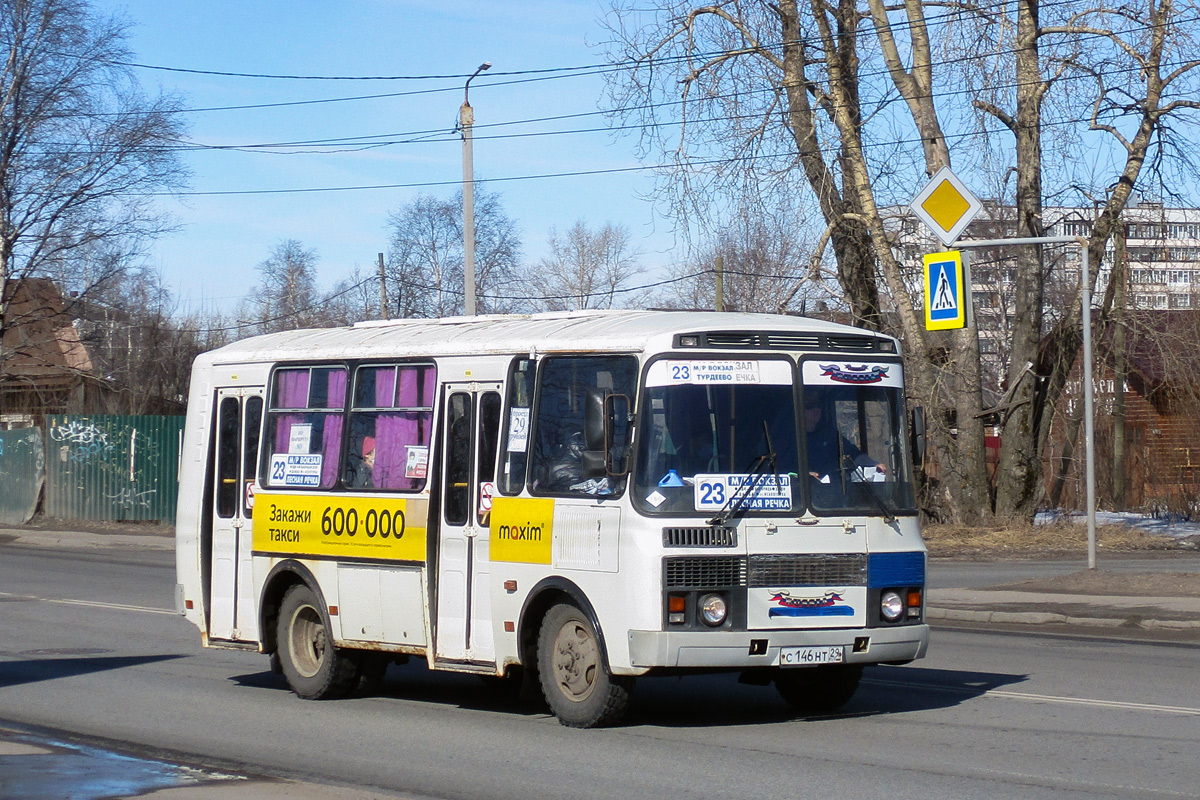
(712, 536)
(848, 569)
(698, 572)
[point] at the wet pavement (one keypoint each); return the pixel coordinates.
(35, 766)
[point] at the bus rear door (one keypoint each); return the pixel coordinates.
(238, 426)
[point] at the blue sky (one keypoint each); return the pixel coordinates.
(212, 259)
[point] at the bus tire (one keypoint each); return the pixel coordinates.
(576, 681)
(818, 690)
(314, 668)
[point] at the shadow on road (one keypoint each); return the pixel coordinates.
(692, 700)
(33, 670)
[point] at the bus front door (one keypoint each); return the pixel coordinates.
(471, 427)
(238, 425)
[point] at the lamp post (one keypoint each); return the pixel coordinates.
(466, 120)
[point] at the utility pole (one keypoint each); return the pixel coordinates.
(383, 301)
(466, 121)
(719, 280)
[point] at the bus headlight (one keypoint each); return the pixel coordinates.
(891, 606)
(713, 609)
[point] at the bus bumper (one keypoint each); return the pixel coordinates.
(649, 649)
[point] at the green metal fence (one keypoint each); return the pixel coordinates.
(112, 467)
(22, 471)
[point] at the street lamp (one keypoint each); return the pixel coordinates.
(466, 120)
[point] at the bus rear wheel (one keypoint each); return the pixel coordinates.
(818, 690)
(314, 668)
(576, 682)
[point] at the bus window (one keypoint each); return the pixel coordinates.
(458, 458)
(391, 424)
(304, 427)
(489, 431)
(227, 457)
(254, 408)
(516, 436)
(568, 450)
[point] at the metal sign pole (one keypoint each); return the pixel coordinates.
(1085, 300)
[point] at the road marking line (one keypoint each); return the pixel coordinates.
(1041, 698)
(90, 604)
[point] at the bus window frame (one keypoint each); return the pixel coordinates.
(506, 422)
(269, 410)
(538, 396)
(349, 435)
(641, 426)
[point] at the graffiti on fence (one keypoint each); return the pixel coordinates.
(114, 467)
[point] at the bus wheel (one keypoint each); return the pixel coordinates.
(576, 682)
(818, 690)
(314, 668)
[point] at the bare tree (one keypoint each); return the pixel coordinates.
(81, 148)
(286, 295)
(746, 77)
(764, 267)
(425, 257)
(588, 269)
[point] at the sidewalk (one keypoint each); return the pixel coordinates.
(972, 606)
(1044, 608)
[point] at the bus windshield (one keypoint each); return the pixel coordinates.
(721, 436)
(709, 428)
(856, 454)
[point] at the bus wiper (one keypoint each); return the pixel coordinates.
(888, 516)
(738, 499)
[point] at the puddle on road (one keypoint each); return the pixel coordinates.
(31, 766)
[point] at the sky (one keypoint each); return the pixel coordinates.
(209, 263)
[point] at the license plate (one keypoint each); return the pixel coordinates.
(805, 656)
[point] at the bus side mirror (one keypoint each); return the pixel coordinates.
(918, 435)
(617, 428)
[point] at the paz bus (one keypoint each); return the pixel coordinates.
(576, 498)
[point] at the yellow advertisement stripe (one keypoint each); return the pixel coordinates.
(340, 526)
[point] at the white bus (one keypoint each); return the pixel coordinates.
(578, 498)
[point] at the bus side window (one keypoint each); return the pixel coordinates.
(568, 450)
(489, 432)
(303, 438)
(391, 425)
(517, 425)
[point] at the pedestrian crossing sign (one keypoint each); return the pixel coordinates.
(947, 296)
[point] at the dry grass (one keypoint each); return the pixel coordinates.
(1039, 540)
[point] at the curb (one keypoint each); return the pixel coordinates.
(1045, 617)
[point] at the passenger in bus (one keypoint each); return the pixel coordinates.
(362, 473)
(828, 450)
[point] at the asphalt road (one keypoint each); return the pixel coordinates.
(88, 645)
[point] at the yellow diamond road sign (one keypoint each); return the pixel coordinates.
(946, 206)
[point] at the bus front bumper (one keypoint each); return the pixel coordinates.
(649, 649)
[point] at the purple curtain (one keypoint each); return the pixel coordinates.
(337, 388)
(291, 388)
(396, 432)
(332, 441)
(385, 387)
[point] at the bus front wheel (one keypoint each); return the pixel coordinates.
(575, 678)
(314, 668)
(818, 690)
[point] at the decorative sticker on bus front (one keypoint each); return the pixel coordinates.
(760, 492)
(830, 604)
(289, 469)
(522, 529)
(340, 526)
(851, 373)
